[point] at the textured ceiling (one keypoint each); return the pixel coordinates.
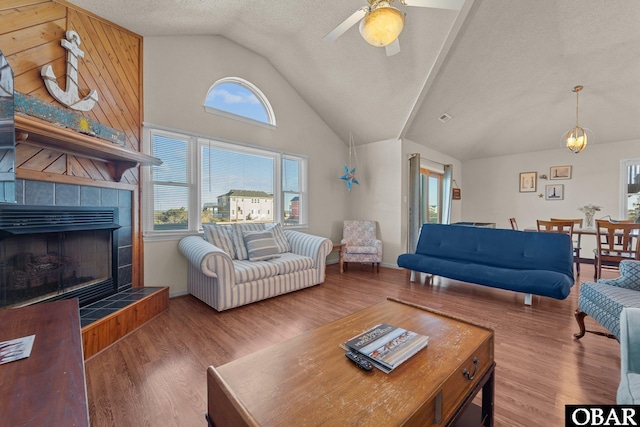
(503, 70)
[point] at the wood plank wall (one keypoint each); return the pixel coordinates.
(30, 36)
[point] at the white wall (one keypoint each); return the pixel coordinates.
(178, 72)
(491, 192)
(378, 197)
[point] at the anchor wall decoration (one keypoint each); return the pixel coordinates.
(69, 97)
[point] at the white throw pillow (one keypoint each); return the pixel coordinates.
(261, 245)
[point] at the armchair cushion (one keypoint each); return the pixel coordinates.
(361, 250)
(261, 245)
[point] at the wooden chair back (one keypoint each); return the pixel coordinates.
(556, 226)
(577, 222)
(615, 242)
(514, 224)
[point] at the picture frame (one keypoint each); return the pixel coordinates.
(554, 192)
(456, 195)
(560, 172)
(528, 182)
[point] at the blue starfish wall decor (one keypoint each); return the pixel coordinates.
(349, 176)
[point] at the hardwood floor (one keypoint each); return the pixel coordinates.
(157, 374)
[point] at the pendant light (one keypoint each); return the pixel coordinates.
(576, 138)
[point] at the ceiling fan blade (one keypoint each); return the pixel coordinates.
(346, 24)
(438, 4)
(392, 48)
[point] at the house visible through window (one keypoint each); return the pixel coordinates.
(239, 99)
(204, 181)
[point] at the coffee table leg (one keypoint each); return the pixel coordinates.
(487, 401)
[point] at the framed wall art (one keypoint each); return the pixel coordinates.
(528, 182)
(554, 192)
(560, 172)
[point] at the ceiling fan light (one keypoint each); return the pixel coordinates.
(382, 26)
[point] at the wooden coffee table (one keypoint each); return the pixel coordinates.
(307, 380)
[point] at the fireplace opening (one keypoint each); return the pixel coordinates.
(51, 253)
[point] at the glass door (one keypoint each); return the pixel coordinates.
(431, 196)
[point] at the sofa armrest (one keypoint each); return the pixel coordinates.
(209, 259)
(315, 247)
(629, 276)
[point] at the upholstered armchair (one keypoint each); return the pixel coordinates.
(604, 300)
(629, 388)
(360, 243)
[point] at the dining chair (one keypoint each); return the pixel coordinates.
(556, 226)
(615, 242)
(577, 244)
(514, 224)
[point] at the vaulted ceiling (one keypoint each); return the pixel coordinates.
(503, 70)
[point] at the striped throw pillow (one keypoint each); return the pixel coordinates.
(281, 238)
(261, 245)
(220, 236)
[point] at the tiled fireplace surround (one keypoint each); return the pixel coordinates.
(43, 193)
(109, 319)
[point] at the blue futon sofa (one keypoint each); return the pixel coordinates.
(521, 261)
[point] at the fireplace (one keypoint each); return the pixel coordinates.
(55, 252)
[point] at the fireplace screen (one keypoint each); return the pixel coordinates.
(36, 267)
(49, 253)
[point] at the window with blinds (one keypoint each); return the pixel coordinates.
(203, 181)
(170, 183)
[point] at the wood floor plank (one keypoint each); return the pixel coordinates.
(157, 374)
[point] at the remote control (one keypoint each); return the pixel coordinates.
(360, 361)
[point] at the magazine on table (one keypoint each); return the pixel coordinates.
(387, 346)
(16, 349)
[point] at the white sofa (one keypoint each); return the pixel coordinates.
(221, 280)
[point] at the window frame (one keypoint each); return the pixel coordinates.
(425, 175)
(624, 194)
(253, 89)
(194, 177)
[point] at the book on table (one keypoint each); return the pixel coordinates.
(387, 346)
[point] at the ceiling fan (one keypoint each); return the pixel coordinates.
(381, 24)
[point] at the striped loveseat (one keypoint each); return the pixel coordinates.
(224, 278)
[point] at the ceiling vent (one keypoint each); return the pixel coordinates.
(444, 118)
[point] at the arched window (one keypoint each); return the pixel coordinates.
(238, 99)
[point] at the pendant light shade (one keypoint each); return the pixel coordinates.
(576, 138)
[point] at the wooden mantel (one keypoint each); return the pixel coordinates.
(33, 131)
